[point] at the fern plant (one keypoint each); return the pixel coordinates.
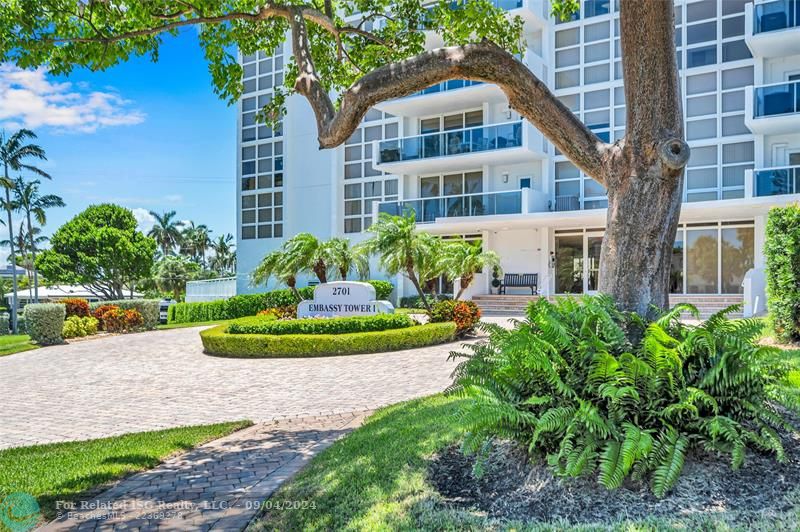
(569, 384)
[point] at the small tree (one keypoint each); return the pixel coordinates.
(309, 254)
(346, 258)
(429, 261)
(277, 264)
(100, 249)
(400, 247)
(173, 272)
(462, 260)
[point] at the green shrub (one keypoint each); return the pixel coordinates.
(383, 289)
(234, 307)
(5, 324)
(217, 342)
(264, 325)
(782, 252)
(569, 385)
(465, 314)
(76, 326)
(44, 322)
(148, 308)
(416, 301)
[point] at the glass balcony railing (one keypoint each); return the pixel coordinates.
(452, 142)
(777, 181)
(776, 15)
(779, 99)
(481, 204)
(449, 85)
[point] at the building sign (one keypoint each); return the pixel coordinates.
(343, 298)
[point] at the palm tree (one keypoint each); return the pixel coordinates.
(166, 231)
(461, 259)
(28, 200)
(428, 261)
(309, 254)
(277, 264)
(195, 241)
(346, 258)
(13, 153)
(172, 273)
(224, 259)
(398, 244)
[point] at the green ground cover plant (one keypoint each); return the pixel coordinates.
(589, 388)
(218, 342)
(64, 471)
(269, 325)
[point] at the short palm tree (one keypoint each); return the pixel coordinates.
(346, 258)
(428, 261)
(32, 204)
(461, 260)
(308, 253)
(166, 231)
(279, 265)
(399, 246)
(14, 152)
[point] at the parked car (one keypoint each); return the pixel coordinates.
(164, 305)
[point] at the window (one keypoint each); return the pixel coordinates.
(358, 148)
(358, 202)
(712, 258)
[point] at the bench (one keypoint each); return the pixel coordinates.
(520, 280)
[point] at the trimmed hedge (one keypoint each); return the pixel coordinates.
(383, 289)
(234, 307)
(44, 322)
(148, 308)
(782, 252)
(416, 301)
(347, 325)
(217, 342)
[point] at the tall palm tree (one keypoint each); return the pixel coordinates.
(281, 266)
(165, 231)
(309, 254)
(399, 246)
(346, 258)
(461, 260)
(32, 204)
(224, 259)
(14, 151)
(195, 241)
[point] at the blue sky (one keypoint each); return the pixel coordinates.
(148, 136)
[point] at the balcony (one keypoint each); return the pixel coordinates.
(460, 148)
(773, 28)
(777, 181)
(446, 97)
(466, 206)
(773, 109)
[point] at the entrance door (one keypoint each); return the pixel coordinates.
(569, 264)
(593, 245)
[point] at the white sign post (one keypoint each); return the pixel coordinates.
(343, 298)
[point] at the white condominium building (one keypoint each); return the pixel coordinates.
(469, 165)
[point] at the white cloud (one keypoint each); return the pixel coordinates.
(144, 219)
(29, 98)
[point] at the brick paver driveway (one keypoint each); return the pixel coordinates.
(161, 379)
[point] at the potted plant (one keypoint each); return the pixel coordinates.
(496, 278)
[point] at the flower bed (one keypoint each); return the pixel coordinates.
(217, 341)
(267, 324)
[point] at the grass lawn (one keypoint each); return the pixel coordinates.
(64, 471)
(166, 326)
(15, 343)
(375, 479)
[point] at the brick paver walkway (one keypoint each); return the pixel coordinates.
(218, 486)
(162, 379)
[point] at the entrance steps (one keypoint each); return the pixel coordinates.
(515, 305)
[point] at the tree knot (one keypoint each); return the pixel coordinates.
(674, 153)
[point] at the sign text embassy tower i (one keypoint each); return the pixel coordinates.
(343, 298)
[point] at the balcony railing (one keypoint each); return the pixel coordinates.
(427, 210)
(449, 85)
(776, 15)
(452, 142)
(778, 99)
(777, 181)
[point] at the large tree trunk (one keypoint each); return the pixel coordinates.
(644, 201)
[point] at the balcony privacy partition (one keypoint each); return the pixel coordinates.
(776, 15)
(452, 142)
(777, 181)
(480, 204)
(778, 99)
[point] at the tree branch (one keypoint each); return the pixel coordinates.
(483, 61)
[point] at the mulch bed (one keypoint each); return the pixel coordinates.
(513, 489)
